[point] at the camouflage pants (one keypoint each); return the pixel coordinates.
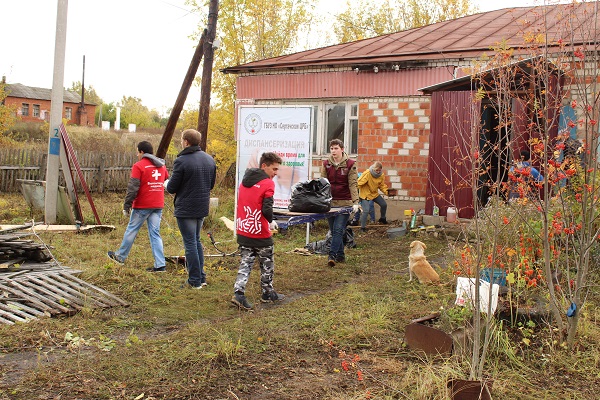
(265, 259)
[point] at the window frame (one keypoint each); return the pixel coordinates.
(25, 109)
(35, 112)
(68, 113)
(319, 146)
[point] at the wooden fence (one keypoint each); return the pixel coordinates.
(102, 172)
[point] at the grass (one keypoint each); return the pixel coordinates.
(175, 343)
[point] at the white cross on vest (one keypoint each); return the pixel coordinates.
(156, 174)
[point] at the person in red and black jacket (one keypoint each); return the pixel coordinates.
(253, 225)
(342, 174)
(146, 196)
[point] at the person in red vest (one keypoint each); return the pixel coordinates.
(253, 225)
(144, 202)
(342, 174)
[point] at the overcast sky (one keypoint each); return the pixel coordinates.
(138, 48)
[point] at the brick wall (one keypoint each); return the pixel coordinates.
(45, 110)
(396, 132)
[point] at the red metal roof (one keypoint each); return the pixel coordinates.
(463, 37)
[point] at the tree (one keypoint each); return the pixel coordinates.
(134, 112)
(7, 114)
(90, 93)
(361, 20)
(92, 97)
(249, 30)
(221, 143)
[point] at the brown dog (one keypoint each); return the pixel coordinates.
(418, 264)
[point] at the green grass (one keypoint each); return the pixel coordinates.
(174, 343)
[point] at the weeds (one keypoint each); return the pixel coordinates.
(180, 344)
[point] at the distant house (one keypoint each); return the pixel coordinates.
(387, 97)
(33, 105)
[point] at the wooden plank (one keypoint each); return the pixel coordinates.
(36, 288)
(10, 263)
(94, 295)
(91, 290)
(53, 306)
(6, 321)
(16, 311)
(20, 294)
(10, 276)
(25, 307)
(85, 284)
(11, 316)
(63, 296)
(59, 283)
(64, 228)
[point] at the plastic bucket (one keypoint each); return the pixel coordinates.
(451, 214)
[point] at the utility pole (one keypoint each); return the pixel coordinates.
(209, 47)
(54, 140)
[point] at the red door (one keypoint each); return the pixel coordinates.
(454, 115)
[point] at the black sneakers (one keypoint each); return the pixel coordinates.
(159, 269)
(383, 221)
(272, 296)
(331, 262)
(115, 258)
(239, 299)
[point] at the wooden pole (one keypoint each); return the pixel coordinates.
(180, 102)
(207, 67)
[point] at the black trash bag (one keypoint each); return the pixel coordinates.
(349, 238)
(322, 246)
(312, 196)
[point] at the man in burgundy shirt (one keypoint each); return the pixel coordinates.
(254, 222)
(144, 202)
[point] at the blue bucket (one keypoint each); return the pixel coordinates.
(499, 276)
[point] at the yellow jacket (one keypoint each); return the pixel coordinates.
(368, 185)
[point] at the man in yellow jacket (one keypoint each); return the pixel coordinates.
(369, 184)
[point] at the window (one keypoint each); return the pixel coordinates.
(68, 113)
(24, 109)
(36, 110)
(333, 120)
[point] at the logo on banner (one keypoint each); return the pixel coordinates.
(252, 123)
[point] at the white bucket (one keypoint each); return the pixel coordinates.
(451, 214)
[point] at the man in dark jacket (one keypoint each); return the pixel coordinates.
(253, 224)
(146, 196)
(193, 177)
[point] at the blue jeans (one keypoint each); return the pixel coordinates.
(337, 227)
(367, 206)
(190, 229)
(152, 217)
(371, 212)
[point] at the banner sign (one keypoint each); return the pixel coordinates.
(285, 130)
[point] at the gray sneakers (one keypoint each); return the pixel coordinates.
(115, 258)
(239, 299)
(271, 297)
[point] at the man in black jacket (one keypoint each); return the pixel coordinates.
(193, 177)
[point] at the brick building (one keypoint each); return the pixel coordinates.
(379, 95)
(32, 104)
